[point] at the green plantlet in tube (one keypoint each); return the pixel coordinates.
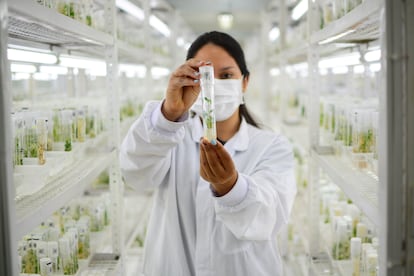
(207, 92)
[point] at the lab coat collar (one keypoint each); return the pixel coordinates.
(239, 142)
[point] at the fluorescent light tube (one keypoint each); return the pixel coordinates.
(44, 76)
(22, 68)
(335, 37)
(159, 72)
(130, 8)
(133, 70)
(160, 26)
(375, 67)
(29, 56)
(20, 76)
(57, 70)
(77, 62)
(373, 55)
(340, 70)
(138, 13)
(348, 60)
(359, 69)
(300, 9)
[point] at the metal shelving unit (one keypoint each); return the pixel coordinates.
(384, 199)
(360, 26)
(31, 25)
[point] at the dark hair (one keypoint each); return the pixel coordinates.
(231, 46)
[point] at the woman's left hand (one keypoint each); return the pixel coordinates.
(217, 167)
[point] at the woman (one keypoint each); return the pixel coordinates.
(218, 205)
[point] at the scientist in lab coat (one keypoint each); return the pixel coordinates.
(218, 205)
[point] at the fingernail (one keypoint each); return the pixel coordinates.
(213, 142)
(208, 63)
(196, 73)
(196, 81)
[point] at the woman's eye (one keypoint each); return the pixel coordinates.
(226, 76)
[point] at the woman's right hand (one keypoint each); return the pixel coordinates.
(183, 89)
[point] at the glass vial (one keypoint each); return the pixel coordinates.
(53, 254)
(18, 135)
(41, 132)
(355, 256)
(207, 93)
(66, 129)
(80, 126)
(46, 267)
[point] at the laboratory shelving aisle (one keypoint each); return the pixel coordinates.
(320, 75)
(84, 51)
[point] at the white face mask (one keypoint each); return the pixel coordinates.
(228, 96)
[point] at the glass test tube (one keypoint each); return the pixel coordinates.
(207, 93)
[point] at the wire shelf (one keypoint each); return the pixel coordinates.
(359, 25)
(365, 31)
(361, 187)
(32, 209)
(32, 22)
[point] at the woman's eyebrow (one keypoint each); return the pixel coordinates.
(226, 68)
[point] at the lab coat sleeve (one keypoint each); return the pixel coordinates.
(145, 152)
(267, 203)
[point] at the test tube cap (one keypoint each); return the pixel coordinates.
(207, 74)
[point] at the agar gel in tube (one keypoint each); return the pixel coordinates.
(207, 93)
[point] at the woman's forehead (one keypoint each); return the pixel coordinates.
(211, 51)
(219, 57)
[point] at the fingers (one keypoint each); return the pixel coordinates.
(183, 89)
(208, 161)
(217, 167)
(216, 159)
(188, 70)
(186, 77)
(205, 171)
(187, 74)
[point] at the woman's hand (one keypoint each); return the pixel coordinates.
(183, 89)
(217, 167)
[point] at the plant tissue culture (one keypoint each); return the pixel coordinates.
(207, 93)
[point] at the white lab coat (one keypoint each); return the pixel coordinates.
(190, 231)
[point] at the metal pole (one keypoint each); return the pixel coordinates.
(8, 244)
(409, 124)
(396, 160)
(113, 107)
(265, 90)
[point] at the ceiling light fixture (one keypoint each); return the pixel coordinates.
(274, 34)
(225, 20)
